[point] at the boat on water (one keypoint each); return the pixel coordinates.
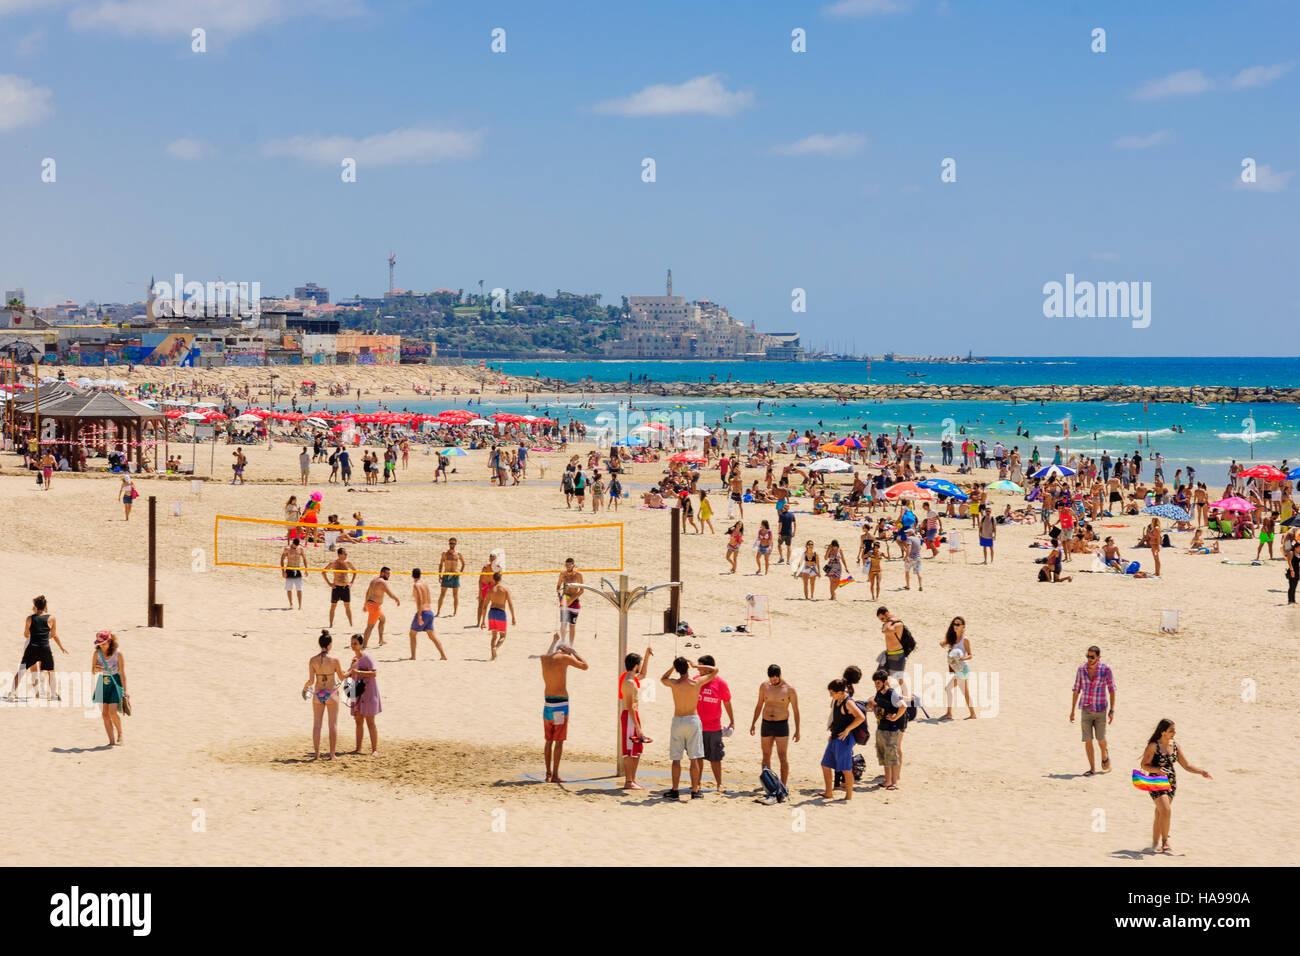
(1203, 405)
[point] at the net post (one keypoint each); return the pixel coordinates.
(155, 611)
(623, 596)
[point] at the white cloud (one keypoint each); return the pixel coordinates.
(170, 17)
(1266, 180)
(1158, 138)
(22, 102)
(1182, 83)
(867, 8)
(1254, 76)
(187, 147)
(402, 147)
(1191, 82)
(703, 94)
(823, 144)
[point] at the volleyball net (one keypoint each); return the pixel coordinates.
(260, 543)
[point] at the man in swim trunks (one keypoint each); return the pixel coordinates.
(497, 600)
(737, 485)
(555, 712)
(567, 591)
(687, 734)
(776, 699)
(450, 566)
(375, 591)
(343, 574)
(423, 620)
(629, 717)
(785, 524)
(895, 656)
(988, 534)
(293, 561)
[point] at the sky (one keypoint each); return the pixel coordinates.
(775, 170)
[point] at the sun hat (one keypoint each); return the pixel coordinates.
(103, 637)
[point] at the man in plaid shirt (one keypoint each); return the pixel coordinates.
(1092, 680)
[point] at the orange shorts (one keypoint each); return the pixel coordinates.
(373, 612)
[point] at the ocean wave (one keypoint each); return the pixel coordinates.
(1242, 436)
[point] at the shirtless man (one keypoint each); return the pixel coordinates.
(293, 561)
(737, 486)
(496, 601)
(375, 592)
(776, 699)
(450, 567)
(555, 712)
(687, 734)
(569, 594)
(1110, 554)
(895, 655)
(629, 717)
(340, 584)
(423, 620)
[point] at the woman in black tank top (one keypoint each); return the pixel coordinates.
(37, 656)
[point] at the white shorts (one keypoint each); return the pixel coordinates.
(293, 584)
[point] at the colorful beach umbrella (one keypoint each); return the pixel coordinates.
(1005, 485)
(454, 452)
(694, 457)
(1264, 473)
(1059, 471)
(1293, 474)
(944, 487)
(910, 489)
(1171, 512)
(633, 442)
(1233, 503)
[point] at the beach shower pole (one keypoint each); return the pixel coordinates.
(155, 611)
(621, 599)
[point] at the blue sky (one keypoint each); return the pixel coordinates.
(775, 170)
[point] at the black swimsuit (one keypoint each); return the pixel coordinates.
(1166, 762)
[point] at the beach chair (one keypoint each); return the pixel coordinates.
(957, 543)
(756, 610)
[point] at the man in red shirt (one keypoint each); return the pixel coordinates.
(724, 465)
(1065, 518)
(713, 697)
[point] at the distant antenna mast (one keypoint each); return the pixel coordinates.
(392, 264)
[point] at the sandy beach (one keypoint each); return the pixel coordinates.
(216, 767)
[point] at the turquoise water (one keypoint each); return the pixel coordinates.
(1011, 370)
(1209, 440)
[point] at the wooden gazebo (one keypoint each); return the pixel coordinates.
(82, 417)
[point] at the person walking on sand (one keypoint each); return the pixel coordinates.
(39, 630)
(108, 670)
(366, 704)
(126, 491)
(423, 619)
(1093, 680)
(293, 564)
(375, 592)
(326, 674)
(891, 718)
(1159, 758)
(339, 575)
(450, 567)
(498, 600)
(776, 700)
(555, 709)
(838, 756)
(735, 537)
(988, 532)
(629, 716)
(874, 572)
(763, 549)
(957, 647)
(687, 733)
(809, 570)
(706, 512)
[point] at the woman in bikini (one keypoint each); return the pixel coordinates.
(326, 673)
(957, 647)
(763, 548)
(1159, 758)
(735, 537)
(809, 570)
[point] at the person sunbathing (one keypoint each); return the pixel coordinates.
(652, 499)
(1199, 546)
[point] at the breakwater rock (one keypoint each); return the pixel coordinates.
(824, 391)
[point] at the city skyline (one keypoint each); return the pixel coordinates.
(774, 170)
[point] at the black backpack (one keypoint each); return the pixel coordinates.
(861, 733)
(907, 640)
(773, 786)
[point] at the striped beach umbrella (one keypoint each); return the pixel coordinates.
(1059, 471)
(1005, 485)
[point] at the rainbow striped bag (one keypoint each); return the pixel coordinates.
(1150, 782)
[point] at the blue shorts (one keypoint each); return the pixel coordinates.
(423, 621)
(839, 754)
(496, 619)
(986, 542)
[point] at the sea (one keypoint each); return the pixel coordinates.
(1207, 439)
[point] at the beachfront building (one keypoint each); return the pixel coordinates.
(668, 326)
(363, 348)
(311, 292)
